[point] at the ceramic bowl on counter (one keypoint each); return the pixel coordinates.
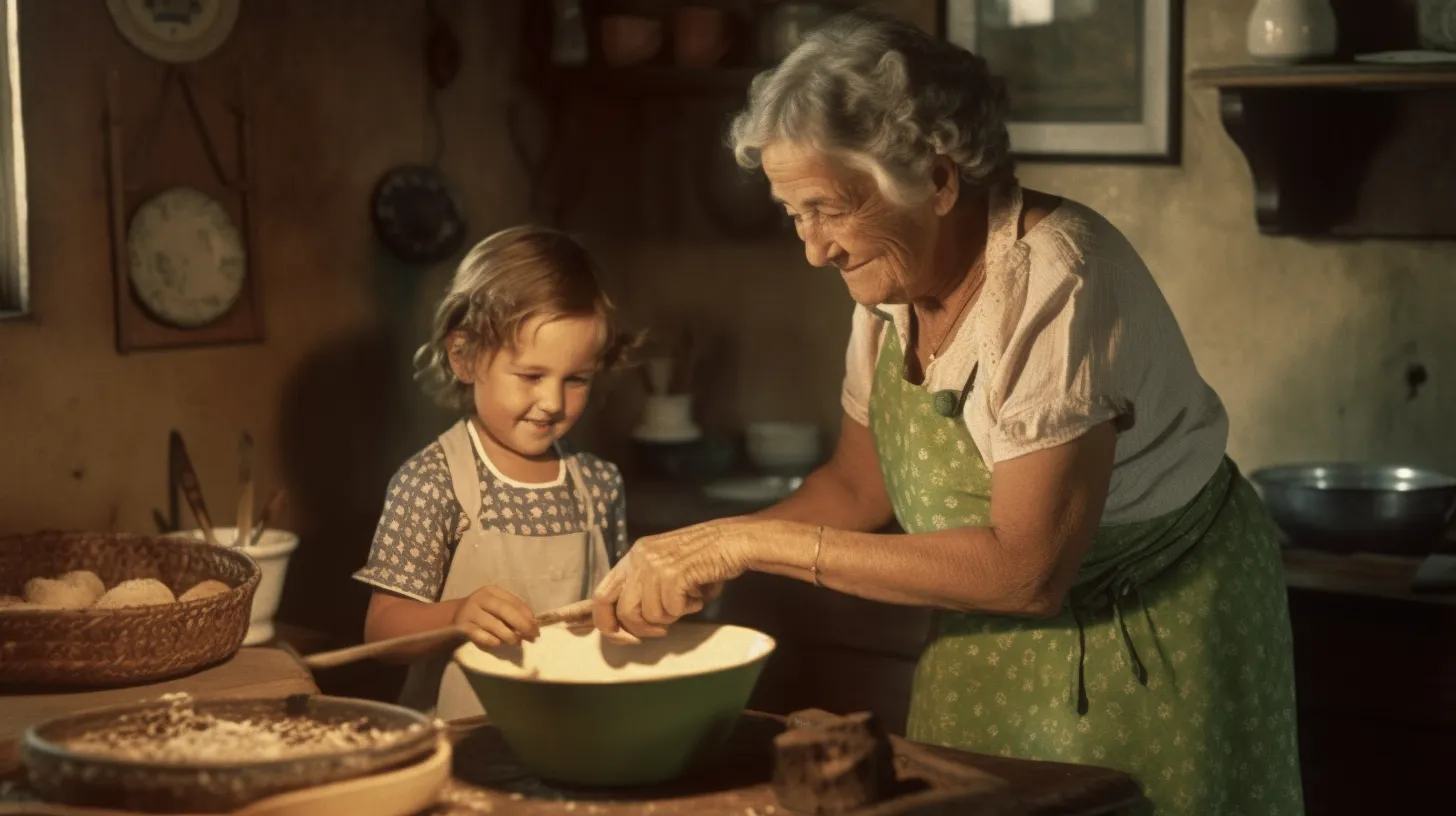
(580, 710)
(271, 554)
(784, 448)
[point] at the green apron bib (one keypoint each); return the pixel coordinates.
(1171, 660)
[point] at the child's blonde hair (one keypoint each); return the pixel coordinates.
(504, 281)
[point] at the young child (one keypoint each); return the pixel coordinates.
(494, 521)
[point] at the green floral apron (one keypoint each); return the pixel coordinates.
(1171, 660)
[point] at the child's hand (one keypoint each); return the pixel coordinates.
(492, 617)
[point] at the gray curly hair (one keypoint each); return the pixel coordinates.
(888, 97)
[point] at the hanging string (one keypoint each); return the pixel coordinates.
(174, 76)
(433, 119)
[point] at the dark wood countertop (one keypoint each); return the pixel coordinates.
(488, 777)
(252, 672)
(1391, 577)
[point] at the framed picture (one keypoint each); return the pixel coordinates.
(1086, 80)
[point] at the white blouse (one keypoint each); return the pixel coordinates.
(1070, 331)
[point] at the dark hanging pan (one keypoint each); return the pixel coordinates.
(416, 215)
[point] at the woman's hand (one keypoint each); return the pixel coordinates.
(664, 577)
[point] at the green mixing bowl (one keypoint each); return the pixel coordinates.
(580, 710)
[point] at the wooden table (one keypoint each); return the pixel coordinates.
(487, 779)
(249, 673)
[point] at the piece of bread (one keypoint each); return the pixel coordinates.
(50, 593)
(87, 580)
(136, 592)
(204, 589)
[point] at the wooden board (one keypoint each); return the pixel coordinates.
(249, 673)
(487, 779)
(1376, 576)
(405, 790)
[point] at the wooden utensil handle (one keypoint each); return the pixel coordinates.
(435, 638)
(579, 612)
(432, 639)
(191, 488)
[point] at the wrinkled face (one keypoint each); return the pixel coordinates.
(885, 252)
(529, 396)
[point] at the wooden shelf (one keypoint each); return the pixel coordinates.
(1345, 150)
(1339, 76)
(1371, 576)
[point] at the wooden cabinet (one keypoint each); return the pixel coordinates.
(1376, 684)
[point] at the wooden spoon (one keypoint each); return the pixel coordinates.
(272, 511)
(433, 639)
(245, 492)
(191, 488)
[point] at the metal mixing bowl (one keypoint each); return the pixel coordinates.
(1350, 506)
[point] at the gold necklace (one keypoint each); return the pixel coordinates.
(951, 328)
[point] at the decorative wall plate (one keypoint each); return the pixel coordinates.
(175, 30)
(188, 264)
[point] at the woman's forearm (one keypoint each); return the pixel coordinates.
(967, 569)
(1044, 513)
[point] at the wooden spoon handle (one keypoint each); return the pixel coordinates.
(579, 612)
(271, 512)
(433, 638)
(245, 491)
(191, 489)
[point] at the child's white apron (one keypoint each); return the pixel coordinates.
(543, 571)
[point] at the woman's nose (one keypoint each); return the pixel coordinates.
(819, 251)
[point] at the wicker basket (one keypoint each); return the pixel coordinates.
(107, 647)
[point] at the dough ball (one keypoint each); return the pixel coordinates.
(136, 592)
(87, 580)
(51, 593)
(206, 589)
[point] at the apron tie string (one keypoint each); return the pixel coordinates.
(1139, 669)
(1081, 691)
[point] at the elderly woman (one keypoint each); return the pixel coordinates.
(1019, 396)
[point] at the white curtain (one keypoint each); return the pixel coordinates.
(14, 257)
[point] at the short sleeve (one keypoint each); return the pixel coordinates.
(410, 554)
(859, 363)
(1058, 375)
(616, 498)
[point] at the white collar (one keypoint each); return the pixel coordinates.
(480, 451)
